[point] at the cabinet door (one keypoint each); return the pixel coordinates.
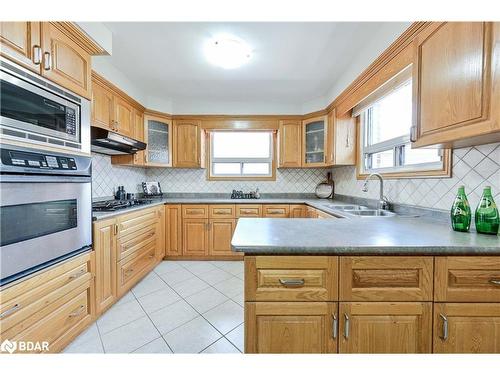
(297, 211)
(467, 328)
(124, 117)
(195, 237)
(221, 233)
(20, 41)
(188, 144)
(105, 263)
(64, 61)
(102, 107)
(314, 142)
(158, 136)
(173, 230)
(290, 144)
(344, 140)
(381, 327)
(298, 327)
(452, 82)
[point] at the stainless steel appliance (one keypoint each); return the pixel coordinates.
(45, 209)
(36, 110)
(110, 143)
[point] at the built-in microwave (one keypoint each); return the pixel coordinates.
(35, 110)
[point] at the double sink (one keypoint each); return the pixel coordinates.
(360, 211)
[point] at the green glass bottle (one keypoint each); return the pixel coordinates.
(486, 216)
(460, 212)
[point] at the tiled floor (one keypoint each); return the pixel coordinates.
(180, 307)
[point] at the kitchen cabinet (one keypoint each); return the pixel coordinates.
(59, 51)
(102, 106)
(298, 210)
(456, 77)
(189, 144)
(299, 327)
(220, 235)
(195, 237)
(139, 158)
(54, 305)
(20, 42)
(341, 140)
(275, 210)
(158, 136)
(314, 139)
(161, 246)
(104, 245)
(466, 328)
(173, 229)
(290, 144)
(124, 117)
(382, 327)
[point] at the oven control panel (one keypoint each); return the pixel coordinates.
(37, 160)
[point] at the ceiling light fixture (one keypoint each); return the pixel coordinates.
(227, 52)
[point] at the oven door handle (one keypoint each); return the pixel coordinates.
(44, 178)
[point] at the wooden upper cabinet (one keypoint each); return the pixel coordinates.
(290, 144)
(381, 327)
(102, 106)
(20, 42)
(456, 83)
(64, 61)
(341, 140)
(189, 144)
(466, 328)
(124, 117)
(314, 140)
(282, 327)
(158, 135)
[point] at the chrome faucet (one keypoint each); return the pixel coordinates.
(383, 204)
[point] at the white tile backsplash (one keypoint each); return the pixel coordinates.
(474, 167)
(106, 177)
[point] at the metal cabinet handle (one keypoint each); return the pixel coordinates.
(413, 134)
(277, 212)
(78, 312)
(47, 61)
(10, 310)
(346, 326)
(292, 282)
(335, 327)
(347, 145)
(37, 55)
(444, 337)
(495, 282)
(77, 274)
(115, 229)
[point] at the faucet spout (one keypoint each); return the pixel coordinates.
(383, 204)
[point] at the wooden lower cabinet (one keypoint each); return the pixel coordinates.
(195, 237)
(298, 211)
(220, 235)
(466, 328)
(173, 230)
(384, 327)
(290, 327)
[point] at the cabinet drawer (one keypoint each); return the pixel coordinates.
(275, 210)
(195, 211)
(467, 279)
(132, 270)
(248, 210)
(223, 211)
(135, 221)
(22, 301)
(291, 278)
(374, 278)
(134, 242)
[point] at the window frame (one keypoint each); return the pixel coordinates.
(239, 177)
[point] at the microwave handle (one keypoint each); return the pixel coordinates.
(45, 178)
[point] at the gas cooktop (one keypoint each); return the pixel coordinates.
(115, 204)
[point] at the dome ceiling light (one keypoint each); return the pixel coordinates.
(227, 52)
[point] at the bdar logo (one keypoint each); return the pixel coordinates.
(8, 346)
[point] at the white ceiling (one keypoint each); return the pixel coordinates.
(292, 63)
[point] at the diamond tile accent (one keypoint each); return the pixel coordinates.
(473, 167)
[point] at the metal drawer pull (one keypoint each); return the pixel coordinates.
(10, 311)
(47, 61)
(335, 326)
(78, 312)
(278, 212)
(37, 55)
(495, 282)
(77, 275)
(346, 326)
(292, 282)
(445, 327)
(222, 212)
(247, 212)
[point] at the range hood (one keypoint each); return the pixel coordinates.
(110, 143)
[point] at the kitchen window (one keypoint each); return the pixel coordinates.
(385, 123)
(236, 155)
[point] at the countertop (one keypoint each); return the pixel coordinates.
(359, 236)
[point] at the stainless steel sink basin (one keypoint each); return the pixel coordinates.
(350, 207)
(370, 213)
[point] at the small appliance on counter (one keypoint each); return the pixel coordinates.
(325, 189)
(152, 189)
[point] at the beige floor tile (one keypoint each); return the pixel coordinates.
(176, 276)
(130, 337)
(189, 287)
(236, 336)
(158, 300)
(120, 315)
(166, 267)
(173, 316)
(226, 316)
(215, 276)
(151, 283)
(192, 337)
(156, 346)
(206, 299)
(230, 287)
(221, 346)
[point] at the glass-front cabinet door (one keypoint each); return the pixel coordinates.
(158, 132)
(314, 141)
